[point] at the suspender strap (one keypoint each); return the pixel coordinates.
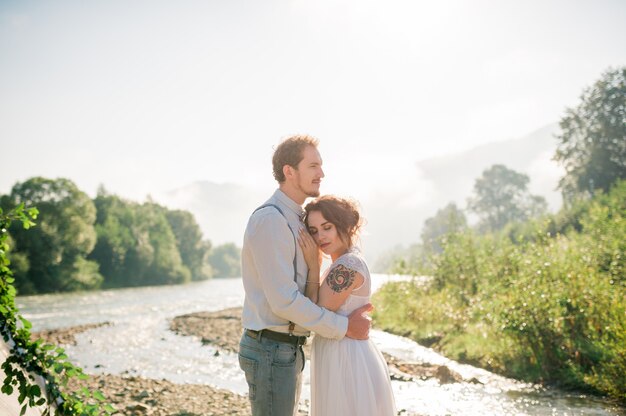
(295, 255)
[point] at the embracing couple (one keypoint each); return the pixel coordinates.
(286, 298)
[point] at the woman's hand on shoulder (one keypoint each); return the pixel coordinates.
(311, 251)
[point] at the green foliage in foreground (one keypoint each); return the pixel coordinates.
(27, 358)
(543, 302)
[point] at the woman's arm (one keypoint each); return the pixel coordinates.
(337, 286)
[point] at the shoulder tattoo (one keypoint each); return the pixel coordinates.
(340, 278)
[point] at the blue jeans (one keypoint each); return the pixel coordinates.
(273, 373)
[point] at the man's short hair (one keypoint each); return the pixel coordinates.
(290, 152)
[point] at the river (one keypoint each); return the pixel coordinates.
(139, 343)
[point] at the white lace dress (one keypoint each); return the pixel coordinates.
(350, 377)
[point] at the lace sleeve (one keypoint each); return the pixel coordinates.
(354, 262)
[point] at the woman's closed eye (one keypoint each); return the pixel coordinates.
(312, 231)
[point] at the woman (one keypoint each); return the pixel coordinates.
(348, 377)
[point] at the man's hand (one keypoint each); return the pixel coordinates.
(359, 323)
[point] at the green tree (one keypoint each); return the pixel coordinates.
(136, 245)
(166, 266)
(226, 260)
(116, 240)
(501, 196)
(447, 220)
(54, 252)
(592, 143)
(194, 252)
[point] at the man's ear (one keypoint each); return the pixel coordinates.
(288, 171)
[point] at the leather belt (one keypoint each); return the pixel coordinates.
(276, 336)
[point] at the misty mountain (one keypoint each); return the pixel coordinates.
(454, 175)
(395, 217)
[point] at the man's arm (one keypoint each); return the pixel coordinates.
(272, 246)
(359, 322)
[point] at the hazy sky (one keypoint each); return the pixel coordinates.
(147, 96)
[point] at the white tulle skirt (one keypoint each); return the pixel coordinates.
(349, 377)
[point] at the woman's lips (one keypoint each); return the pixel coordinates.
(323, 246)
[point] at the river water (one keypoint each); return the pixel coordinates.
(139, 343)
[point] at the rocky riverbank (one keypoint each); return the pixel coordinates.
(223, 330)
(139, 396)
(65, 336)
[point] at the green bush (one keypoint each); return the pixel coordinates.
(529, 302)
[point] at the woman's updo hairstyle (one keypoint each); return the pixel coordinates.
(342, 213)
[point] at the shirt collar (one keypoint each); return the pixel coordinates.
(290, 203)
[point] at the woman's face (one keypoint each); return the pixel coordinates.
(325, 235)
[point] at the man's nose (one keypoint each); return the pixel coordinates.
(321, 172)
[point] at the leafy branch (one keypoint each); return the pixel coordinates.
(30, 361)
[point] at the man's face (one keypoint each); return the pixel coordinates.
(309, 173)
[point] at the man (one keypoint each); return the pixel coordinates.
(277, 317)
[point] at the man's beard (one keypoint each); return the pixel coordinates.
(311, 193)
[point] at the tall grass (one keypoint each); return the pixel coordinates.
(543, 301)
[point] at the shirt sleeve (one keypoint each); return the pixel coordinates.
(273, 249)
